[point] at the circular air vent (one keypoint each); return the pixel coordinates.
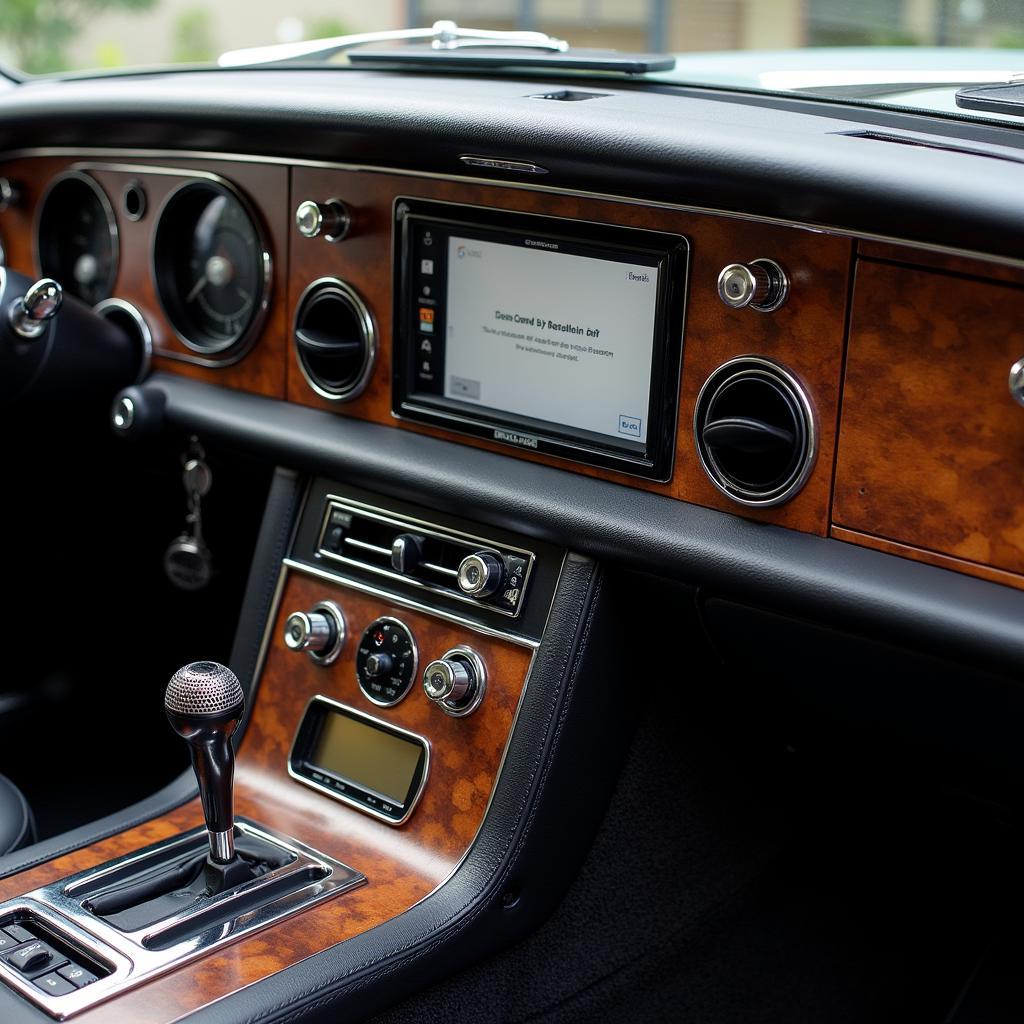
(755, 432)
(334, 339)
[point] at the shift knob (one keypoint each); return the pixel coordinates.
(204, 703)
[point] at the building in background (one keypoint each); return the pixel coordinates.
(191, 30)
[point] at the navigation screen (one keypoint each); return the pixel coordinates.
(556, 335)
(549, 335)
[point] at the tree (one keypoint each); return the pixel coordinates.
(193, 37)
(38, 31)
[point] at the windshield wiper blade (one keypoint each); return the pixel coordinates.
(442, 35)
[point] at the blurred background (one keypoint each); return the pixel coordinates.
(54, 35)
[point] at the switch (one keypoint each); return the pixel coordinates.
(78, 976)
(53, 984)
(34, 957)
(18, 933)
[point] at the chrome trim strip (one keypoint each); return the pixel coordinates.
(58, 906)
(529, 186)
(389, 727)
(402, 522)
(404, 602)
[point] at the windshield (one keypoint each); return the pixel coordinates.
(903, 52)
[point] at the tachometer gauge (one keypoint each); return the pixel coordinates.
(76, 237)
(212, 269)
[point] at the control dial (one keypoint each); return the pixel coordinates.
(406, 553)
(320, 632)
(481, 574)
(330, 219)
(456, 681)
(386, 661)
(760, 284)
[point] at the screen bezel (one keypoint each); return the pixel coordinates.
(356, 794)
(654, 459)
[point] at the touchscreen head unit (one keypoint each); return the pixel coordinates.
(559, 336)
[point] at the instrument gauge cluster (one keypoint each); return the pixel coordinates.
(76, 237)
(211, 267)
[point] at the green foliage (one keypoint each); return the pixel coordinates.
(39, 31)
(326, 28)
(194, 42)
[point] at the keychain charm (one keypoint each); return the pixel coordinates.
(187, 561)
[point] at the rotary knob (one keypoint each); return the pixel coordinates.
(761, 285)
(320, 632)
(456, 681)
(481, 574)
(330, 219)
(406, 553)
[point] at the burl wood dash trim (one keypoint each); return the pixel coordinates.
(932, 442)
(402, 865)
(806, 334)
(265, 186)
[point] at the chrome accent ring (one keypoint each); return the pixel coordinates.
(145, 334)
(366, 322)
(778, 373)
(330, 609)
(477, 663)
(241, 345)
(108, 212)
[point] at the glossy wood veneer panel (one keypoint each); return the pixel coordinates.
(265, 186)
(402, 864)
(932, 443)
(806, 334)
(940, 261)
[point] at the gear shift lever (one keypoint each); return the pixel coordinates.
(204, 703)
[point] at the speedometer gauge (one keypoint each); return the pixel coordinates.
(76, 237)
(212, 269)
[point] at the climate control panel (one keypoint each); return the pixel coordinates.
(469, 569)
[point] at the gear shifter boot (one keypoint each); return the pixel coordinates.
(184, 882)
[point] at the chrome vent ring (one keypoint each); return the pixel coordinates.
(755, 432)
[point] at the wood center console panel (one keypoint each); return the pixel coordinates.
(402, 865)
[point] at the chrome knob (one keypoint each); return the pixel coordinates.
(447, 679)
(761, 285)
(10, 193)
(319, 632)
(456, 681)
(30, 315)
(406, 552)
(378, 665)
(480, 574)
(1016, 381)
(330, 219)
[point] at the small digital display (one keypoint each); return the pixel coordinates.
(551, 335)
(367, 756)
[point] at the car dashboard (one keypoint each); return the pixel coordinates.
(815, 453)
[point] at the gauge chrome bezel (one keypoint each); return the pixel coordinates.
(236, 346)
(112, 228)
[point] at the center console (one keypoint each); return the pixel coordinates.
(398, 656)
